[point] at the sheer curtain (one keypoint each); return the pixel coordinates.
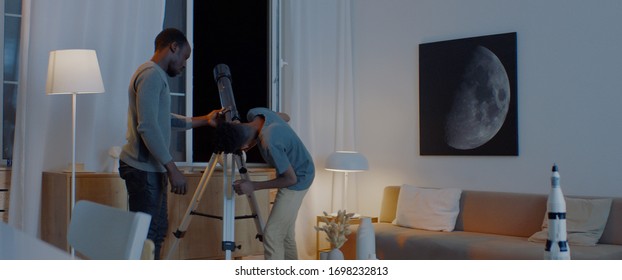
(319, 95)
(122, 33)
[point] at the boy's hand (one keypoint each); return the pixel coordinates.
(243, 187)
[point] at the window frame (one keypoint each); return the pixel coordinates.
(275, 65)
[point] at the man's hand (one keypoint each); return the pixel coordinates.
(176, 178)
(212, 119)
(243, 187)
(216, 116)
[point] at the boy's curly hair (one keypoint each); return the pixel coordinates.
(229, 137)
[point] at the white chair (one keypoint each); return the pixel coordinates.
(102, 232)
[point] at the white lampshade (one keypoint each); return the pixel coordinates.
(73, 71)
(346, 161)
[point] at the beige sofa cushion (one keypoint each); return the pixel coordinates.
(512, 214)
(585, 221)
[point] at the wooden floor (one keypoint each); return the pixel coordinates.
(256, 257)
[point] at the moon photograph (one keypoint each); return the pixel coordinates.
(467, 96)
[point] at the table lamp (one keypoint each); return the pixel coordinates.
(346, 162)
(73, 72)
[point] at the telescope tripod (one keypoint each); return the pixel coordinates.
(229, 162)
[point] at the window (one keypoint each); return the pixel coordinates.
(239, 33)
(12, 16)
(175, 16)
(250, 51)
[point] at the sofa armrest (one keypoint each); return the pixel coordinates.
(389, 204)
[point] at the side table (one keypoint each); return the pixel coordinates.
(321, 245)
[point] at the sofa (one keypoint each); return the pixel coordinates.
(489, 226)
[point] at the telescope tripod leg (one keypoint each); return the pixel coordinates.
(196, 198)
(228, 244)
(252, 200)
(228, 221)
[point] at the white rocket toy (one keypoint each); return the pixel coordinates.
(557, 244)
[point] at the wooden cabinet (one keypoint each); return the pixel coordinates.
(5, 186)
(104, 188)
(203, 238)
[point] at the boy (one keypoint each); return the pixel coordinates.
(281, 148)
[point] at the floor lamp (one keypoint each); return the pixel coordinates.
(346, 162)
(73, 72)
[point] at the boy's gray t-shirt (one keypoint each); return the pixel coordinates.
(280, 147)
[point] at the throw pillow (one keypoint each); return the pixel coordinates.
(428, 209)
(585, 221)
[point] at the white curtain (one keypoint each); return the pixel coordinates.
(122, 33)
(319, 96)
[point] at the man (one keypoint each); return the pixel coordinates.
(145, 162)
(282, 149)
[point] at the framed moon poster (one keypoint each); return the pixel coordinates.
(467, 96)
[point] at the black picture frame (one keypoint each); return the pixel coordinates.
(463, 96)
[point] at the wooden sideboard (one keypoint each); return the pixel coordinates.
(203, 237)
(104, 188)
(5, 186)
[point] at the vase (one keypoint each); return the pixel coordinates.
(335, 254)
(365, 240)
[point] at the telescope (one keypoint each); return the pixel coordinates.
(222, 76)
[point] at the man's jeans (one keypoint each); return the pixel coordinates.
(147, 193)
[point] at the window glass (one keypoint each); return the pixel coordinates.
(13, 7)
(178, 138)
(233, 32)
(10, 70)
(175, 17)
(8, 119)
(12, 26)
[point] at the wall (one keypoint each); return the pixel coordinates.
(569, 82)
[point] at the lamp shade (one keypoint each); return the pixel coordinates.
(346, 161)
(73, 71)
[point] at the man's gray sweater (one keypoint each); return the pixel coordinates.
(149, 120)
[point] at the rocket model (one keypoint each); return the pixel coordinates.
(556, 244)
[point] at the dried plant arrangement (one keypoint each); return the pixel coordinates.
(336, 227)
